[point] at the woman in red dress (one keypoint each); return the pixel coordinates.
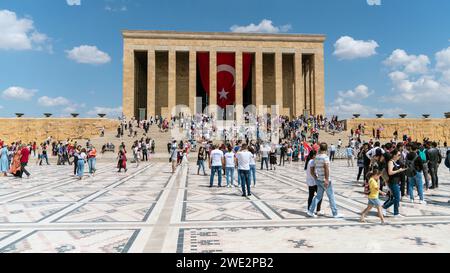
(122, 164)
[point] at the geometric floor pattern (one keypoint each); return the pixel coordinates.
(150, 210)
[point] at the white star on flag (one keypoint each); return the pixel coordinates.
(223, 94)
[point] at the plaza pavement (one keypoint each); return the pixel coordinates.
(150, 210)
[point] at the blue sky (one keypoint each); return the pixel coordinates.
(388, 56)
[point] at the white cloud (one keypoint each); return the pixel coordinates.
(18, 93)
(73, 2)
(443, 59)
(374, 2)
(346, 109)
(360, 92)
(265, 26)
(52, 102)
(1, 107)
(111, 112)
(409, 63)
(443, 64)
(86, 54)
(414, 83)
(347, 48)
(20, 33)
(349, 102)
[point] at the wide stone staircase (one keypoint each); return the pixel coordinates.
(161, 140)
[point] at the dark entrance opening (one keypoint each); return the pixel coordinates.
(140, 86)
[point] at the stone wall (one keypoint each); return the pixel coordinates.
(38, 129)
(434, 129)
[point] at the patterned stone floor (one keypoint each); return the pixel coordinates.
(150, 210)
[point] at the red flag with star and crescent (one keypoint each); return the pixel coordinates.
(226, 75)
(226, 79)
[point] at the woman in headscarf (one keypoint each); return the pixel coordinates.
(4, 162)
(16, 167)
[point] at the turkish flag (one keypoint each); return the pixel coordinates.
(226, 79)
(226, 75)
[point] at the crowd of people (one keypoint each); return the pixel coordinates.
(397, 171)
(14, 158)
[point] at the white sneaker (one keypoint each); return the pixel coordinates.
(338, 216)
(399, 216)
(311, 214)
(384, 213)
(411, 201)
(423, 202)
(320, 213)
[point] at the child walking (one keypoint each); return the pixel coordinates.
(374, 201)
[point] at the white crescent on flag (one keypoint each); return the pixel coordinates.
(229, 69)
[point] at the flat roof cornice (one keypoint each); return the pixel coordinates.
(154, 34)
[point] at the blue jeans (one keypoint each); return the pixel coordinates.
(245, 181)
(80, 168)
(253, 173)
(230, 175)
(415, 181)
(91, 162)
(320, 191)
(266, 160)
(395, 198)
(201, 165)
(215, 169)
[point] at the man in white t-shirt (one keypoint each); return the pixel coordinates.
(216, 163)
(265, 156)
(230, 163)
(320, 171)
(243, 158)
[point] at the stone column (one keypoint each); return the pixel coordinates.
(172, 81)
(192, 80)
(279, 82)
(151, 85)
(259, 81)
(128, 82)
(239, 86)
(299, 92)
(213, 82)
(319, 84)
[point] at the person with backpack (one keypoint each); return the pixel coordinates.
(414, 174)
(424, 157)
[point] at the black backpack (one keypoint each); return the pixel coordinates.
(411, 167)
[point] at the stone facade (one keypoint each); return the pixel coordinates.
(38, 129)
(418, 129)
(288, 70)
